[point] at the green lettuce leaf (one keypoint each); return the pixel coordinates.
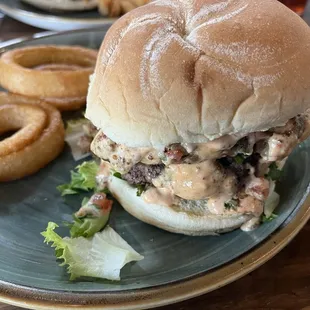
(270, 218)
(87, 227)
(271, 204)
(84, 179)
(94, 220)
(101, 256)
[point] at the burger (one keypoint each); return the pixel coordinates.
(198, 105)
(112, 8)
(63, 5)
(118, 7)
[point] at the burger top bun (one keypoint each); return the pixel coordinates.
(190, 71)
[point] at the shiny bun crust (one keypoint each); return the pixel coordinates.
(191, 71)
(187, 222)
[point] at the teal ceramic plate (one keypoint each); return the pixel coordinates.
(175, 266)
(51, 20)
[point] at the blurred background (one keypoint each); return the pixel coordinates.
(297, 6)
(76, 14)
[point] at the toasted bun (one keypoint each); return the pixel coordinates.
(187, 221)
(63, 5)
(191, 71)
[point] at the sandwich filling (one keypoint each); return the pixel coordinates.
(230, 175)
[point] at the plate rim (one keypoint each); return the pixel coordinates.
(33, 298)
(48, 33)
(169, 293)
(95, 21)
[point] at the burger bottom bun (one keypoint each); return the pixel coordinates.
(173, 219)
(64, 5)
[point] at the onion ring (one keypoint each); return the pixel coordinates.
(42, 151)
(28, 120)
(48, 71)
(118, 7)
(66, 104)
(58, 67)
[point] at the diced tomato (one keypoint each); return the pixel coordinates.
(258, 188)
(175, 154)
(101, 201)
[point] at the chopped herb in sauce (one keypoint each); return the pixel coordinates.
(140, 189)
(117, 175)
(266, 219)
(274, 173)
(239, 159)
(231, 204)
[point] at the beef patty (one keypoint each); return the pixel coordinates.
(142, 174)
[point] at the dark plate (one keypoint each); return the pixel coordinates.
(29, 272)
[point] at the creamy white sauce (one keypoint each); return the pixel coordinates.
(247, 205)
(160, 196)
(257, 187)
(212, 149)
(250, 205)
(279, 146)
(204, 179)
(88, 209)
(103, 174)
(216, 205)
(196, 181)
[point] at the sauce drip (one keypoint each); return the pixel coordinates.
(160, 196)
(196, 181)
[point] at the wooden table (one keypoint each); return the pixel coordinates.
(282, 283)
